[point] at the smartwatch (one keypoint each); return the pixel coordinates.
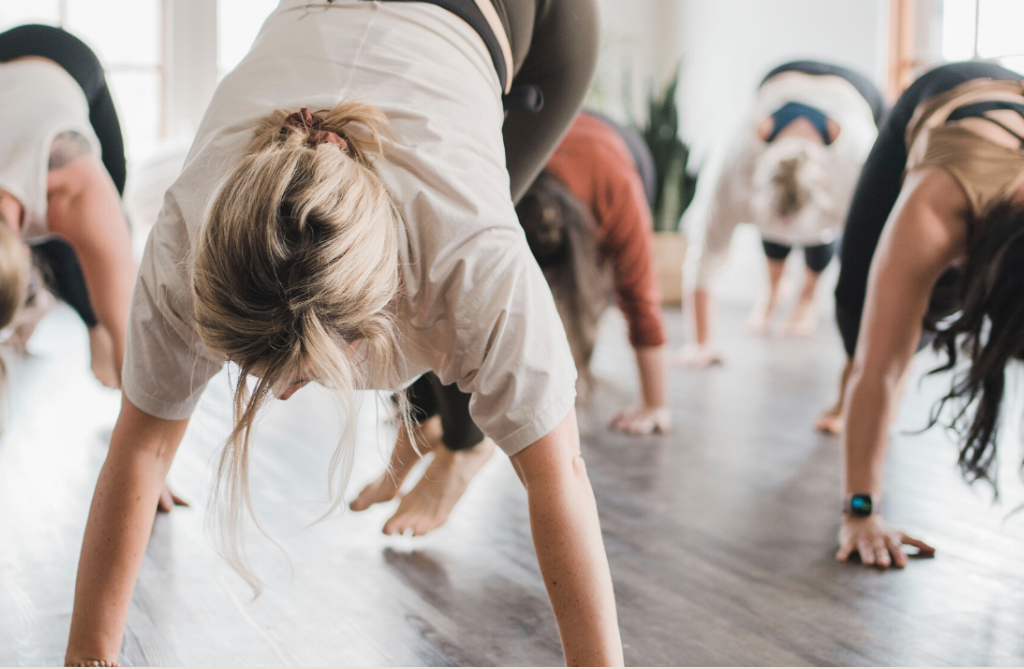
(859, 505)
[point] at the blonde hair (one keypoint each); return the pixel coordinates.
(298, 260)
(791, 174)
(14, 277)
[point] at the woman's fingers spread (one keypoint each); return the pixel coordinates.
(881, 554)
(924, 550)
(899, 558)
(867, 554)
(843, 554)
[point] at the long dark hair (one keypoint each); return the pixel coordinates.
(562, 234)
(988, 332)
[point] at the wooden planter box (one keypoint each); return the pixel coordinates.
(669, 252)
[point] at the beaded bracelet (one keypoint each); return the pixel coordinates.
(94, 663)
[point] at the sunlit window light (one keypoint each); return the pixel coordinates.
(958, 18)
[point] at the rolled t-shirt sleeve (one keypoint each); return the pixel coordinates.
(511, 353)
(166, 367)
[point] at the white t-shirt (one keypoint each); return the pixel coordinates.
(731, 196)
(41, 101)
(478, 310)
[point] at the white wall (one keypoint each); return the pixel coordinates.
(727, 46)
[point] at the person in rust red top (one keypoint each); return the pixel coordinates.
(601, 164)
(587, 219)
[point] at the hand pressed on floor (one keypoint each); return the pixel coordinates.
(878, 543)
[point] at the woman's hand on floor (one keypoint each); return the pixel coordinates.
(168, 500)
(878, 543)
(697, 356)
(642, 420)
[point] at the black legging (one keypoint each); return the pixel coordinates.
(58, 258)
(816, 257)
(879, 186)
(554, 49)
(864, 86)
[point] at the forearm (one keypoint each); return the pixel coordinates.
(570, 549)
(120, 521)
(702, 316)
(869, 408)
(651, 364)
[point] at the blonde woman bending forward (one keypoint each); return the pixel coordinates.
(346, 217)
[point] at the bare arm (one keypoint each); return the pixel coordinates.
(83, 207)
(120, 521)
(570, 550)
(653, 415)
(925, 234)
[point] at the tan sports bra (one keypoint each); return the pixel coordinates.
(988, 171)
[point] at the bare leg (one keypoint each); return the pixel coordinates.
(761, 316)
(804, 319)
(101, 351)
(832, 420)
(426, 507)
(403, 458)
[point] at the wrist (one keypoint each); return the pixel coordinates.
(860, 505)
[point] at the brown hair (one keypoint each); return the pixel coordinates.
(296, 262)
(562, 234)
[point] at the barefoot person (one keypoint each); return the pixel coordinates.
(791, 171)
(586, 216)
(62, 173)
(345, 217)
(934, 244)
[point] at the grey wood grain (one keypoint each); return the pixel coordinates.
(720, 535)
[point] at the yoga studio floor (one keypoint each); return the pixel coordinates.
(720, 535)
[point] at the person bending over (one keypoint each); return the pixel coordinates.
(933, 250)
(791, 171)
(588, 223)
(345, 217)
(62, 173)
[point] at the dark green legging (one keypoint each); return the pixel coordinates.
(554, 49)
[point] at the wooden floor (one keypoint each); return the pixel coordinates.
(720, 535)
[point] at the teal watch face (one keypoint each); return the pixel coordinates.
(861, 505)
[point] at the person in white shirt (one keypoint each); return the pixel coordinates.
(62, 173)
(791, 171)
(346, 217)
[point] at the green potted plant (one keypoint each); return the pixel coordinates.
(674, 187)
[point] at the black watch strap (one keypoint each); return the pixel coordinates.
(859, 505)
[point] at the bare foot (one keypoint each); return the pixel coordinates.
(101, 351)
(831, 421)
(403, 458)
(696, 356)
(758, 321)
(803, 321)
(426, 507)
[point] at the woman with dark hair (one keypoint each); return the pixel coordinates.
(933, 249)
(62, 174)
(791, 171)
(588, 223)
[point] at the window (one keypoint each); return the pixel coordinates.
(125, 34)
(238, 23)
(989, 29)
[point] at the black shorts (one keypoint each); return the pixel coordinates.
(879, 186)
(816, 257)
